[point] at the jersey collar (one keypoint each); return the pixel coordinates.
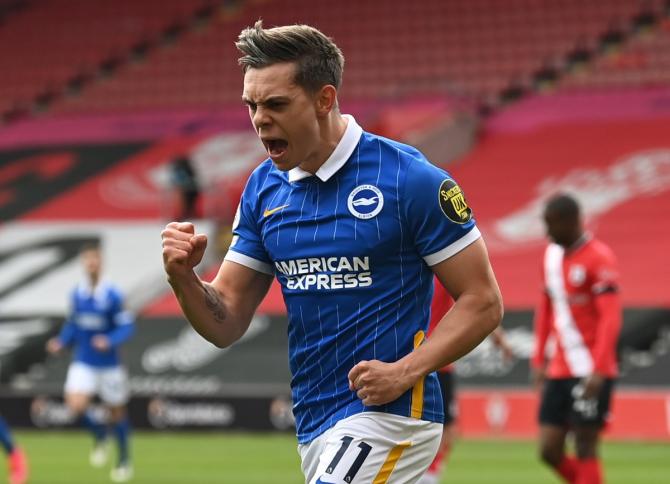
(86, 290)
(337, 158)
(579, 243)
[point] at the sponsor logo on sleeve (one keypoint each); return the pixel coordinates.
(453, 203)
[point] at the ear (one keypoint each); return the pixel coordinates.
(325, 100)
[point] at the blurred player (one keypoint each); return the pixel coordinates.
(97, 326)
(581, 310)
(185, 181)
(440, 305)
(16, 459)
(353, 226)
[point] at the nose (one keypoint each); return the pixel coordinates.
(261, 119)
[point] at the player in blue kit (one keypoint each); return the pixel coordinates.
(97, 326)
(353, 226)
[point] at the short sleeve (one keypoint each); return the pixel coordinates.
(437, 213)
(247, 247)
(72, 303)
(605, 275)
(120, 315)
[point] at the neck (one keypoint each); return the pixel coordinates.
(577, 240)
(93, 279)
(331, 130)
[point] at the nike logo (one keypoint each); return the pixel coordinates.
(364, 201)
(273, 210)
(319, 481)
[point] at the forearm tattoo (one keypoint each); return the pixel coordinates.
(214, 304)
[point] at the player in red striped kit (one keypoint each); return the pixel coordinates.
(581, 311)
(440, 305)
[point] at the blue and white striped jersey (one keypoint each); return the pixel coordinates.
(96, 311)
(351, 247)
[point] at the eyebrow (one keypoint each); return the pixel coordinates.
(269, 100)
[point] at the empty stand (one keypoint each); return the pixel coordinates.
(393, 48)
(644, 61)
(47, 42)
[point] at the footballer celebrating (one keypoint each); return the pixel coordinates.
(353, 226)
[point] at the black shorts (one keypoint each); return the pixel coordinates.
(562, 406)
(447, 384)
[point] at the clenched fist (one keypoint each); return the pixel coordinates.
(182, 248)
(377, 383)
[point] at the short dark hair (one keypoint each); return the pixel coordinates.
(91, 245)
(319, 61)
(564, 205)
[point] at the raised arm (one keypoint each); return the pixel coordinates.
(221, 310)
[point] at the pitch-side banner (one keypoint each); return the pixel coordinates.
(167, 358)
(636, 415)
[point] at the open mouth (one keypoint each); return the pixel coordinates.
(275, 146)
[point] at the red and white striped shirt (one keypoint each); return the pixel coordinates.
(580, 309)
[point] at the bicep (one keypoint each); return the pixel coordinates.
(468, 272)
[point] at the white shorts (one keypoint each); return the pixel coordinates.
(111, 384)
(371, 448)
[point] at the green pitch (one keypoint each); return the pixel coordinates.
(224, 458)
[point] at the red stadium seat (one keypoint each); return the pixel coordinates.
(465, 48)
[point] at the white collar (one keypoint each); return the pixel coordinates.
(86, 290)
(337, 158)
